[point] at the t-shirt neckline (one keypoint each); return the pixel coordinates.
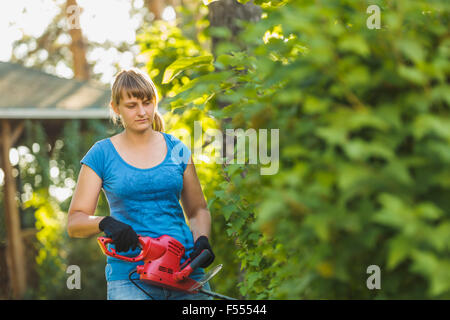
(142, 169)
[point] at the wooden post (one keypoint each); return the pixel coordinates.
(15, 250)
(78, 45)
(156, 7)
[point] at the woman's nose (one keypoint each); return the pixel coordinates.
(141, 109)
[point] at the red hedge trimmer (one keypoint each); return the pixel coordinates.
(162, 267)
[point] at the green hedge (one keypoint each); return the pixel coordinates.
(364, 132)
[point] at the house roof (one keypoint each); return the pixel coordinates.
(27, 93)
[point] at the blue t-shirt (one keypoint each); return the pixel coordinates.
(145, 199)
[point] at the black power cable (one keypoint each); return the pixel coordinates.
(129, 277)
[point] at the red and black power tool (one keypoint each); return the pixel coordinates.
(162, 257)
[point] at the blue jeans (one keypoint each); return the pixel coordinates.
(126, 290)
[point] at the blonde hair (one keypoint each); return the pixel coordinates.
(139, 85)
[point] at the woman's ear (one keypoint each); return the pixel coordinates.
(115, 108)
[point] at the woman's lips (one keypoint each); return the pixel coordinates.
(143, 120)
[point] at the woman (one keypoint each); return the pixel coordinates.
(143, 172)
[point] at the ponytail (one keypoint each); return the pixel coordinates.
(158, 122)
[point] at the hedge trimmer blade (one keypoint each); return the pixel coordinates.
(208, 276)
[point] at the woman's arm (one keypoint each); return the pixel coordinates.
(194, 203)
(81, 222)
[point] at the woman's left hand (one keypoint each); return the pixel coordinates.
(201, 244)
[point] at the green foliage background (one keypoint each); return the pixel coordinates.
(364, 149)
(364, 132)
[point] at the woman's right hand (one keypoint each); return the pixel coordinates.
(122, 234)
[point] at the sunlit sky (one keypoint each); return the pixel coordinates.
(100, 20)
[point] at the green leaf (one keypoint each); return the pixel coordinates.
(434, 269)
(398, 172)
(183, 64)
(313, 104)
(394, 212)
(211, 202)
(359, 149)
(228, 210)
(411, 49)
(429, 211)
(411, 74)
(427, 123)
(399, 249)
(333, 135)
(354, 43)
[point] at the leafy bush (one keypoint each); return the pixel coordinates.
(363, 119)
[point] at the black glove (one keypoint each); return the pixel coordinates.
(123, 235)
(200, 244)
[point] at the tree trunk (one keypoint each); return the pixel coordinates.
(15, 250)
(224, 13)
(156, 7)
(78, 46)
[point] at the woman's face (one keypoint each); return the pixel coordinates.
(136, 114)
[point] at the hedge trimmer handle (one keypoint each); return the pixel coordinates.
(103, 241)
(204, 256)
